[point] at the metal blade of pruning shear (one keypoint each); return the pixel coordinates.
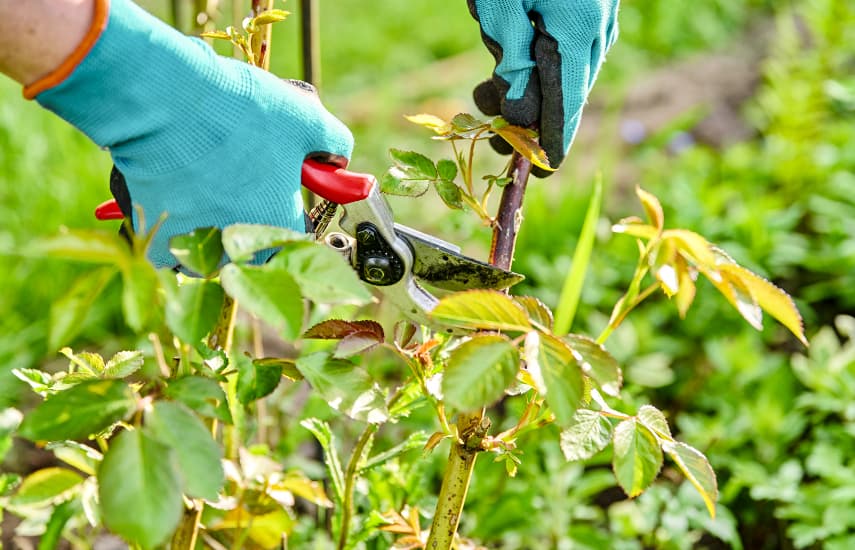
(440, 264)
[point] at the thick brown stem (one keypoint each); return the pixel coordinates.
(472, 427)
(261, 40)
(509, 217)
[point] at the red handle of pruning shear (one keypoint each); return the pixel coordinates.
(325, 180)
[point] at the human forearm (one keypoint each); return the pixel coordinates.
(37, 36)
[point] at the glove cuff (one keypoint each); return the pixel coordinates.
(60, 74)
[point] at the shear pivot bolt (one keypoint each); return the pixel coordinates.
(377, 270)
(366, 236)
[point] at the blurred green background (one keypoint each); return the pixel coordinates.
(738, 114)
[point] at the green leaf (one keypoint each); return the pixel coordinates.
(653, 418)
(478, 371)
(345, 387)
(326, 439)
(199, 251)
(103, 247)
(322, 274)
(586, 435)
(69, 312)
(77, 455)
(139, 489)
(193, 308)
(203, 395)
(414, 165)
(256, 379)
(637, 457)
(90, 364)
(697, 470)
(536, 310)
(288, 367)
(430, 122)
(80, 411)
(485, 309)
(139, 293)
(46, 486)
(450, 194)
(597, 363)
(272, 295)
(446, 169)
(397, 182)
(8, 483)
(524, 142)
(40, 381)
(123, 364)
(465, 122)
(562, 377)
(571, 291)
(199, 456)
(10, 419)
(241, 241)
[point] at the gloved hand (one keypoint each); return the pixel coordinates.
(548, 53)
(209, 140)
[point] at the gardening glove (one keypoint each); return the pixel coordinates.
(548, 54)
(208, 140)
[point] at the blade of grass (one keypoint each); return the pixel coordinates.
(572, 289)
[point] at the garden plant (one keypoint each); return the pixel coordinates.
(176, 445)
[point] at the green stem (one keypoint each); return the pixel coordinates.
(350, 482)
(221, 337)
(473, 427)
(455, 482)
(188, 530)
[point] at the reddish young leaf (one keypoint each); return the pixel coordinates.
(338, 329)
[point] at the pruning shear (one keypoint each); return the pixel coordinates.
(395, 259)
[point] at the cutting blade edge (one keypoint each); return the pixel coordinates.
(441, 264)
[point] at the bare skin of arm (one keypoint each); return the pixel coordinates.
(36, 36)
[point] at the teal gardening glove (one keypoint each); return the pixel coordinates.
(548, 54)
(210, 141)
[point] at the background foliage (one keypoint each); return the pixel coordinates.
(777, 194)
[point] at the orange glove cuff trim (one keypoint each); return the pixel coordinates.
(58, 75)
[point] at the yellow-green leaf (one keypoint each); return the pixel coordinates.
(485, 309)
(430, 122)
(770, 298)
(652, 208)
(45, 486)
(634, 227)
(697, 470)
(524, 142)
(686, 282)
(730, 285)
(653, 418)
(270, 16)
(302, 486)
(694, 247)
